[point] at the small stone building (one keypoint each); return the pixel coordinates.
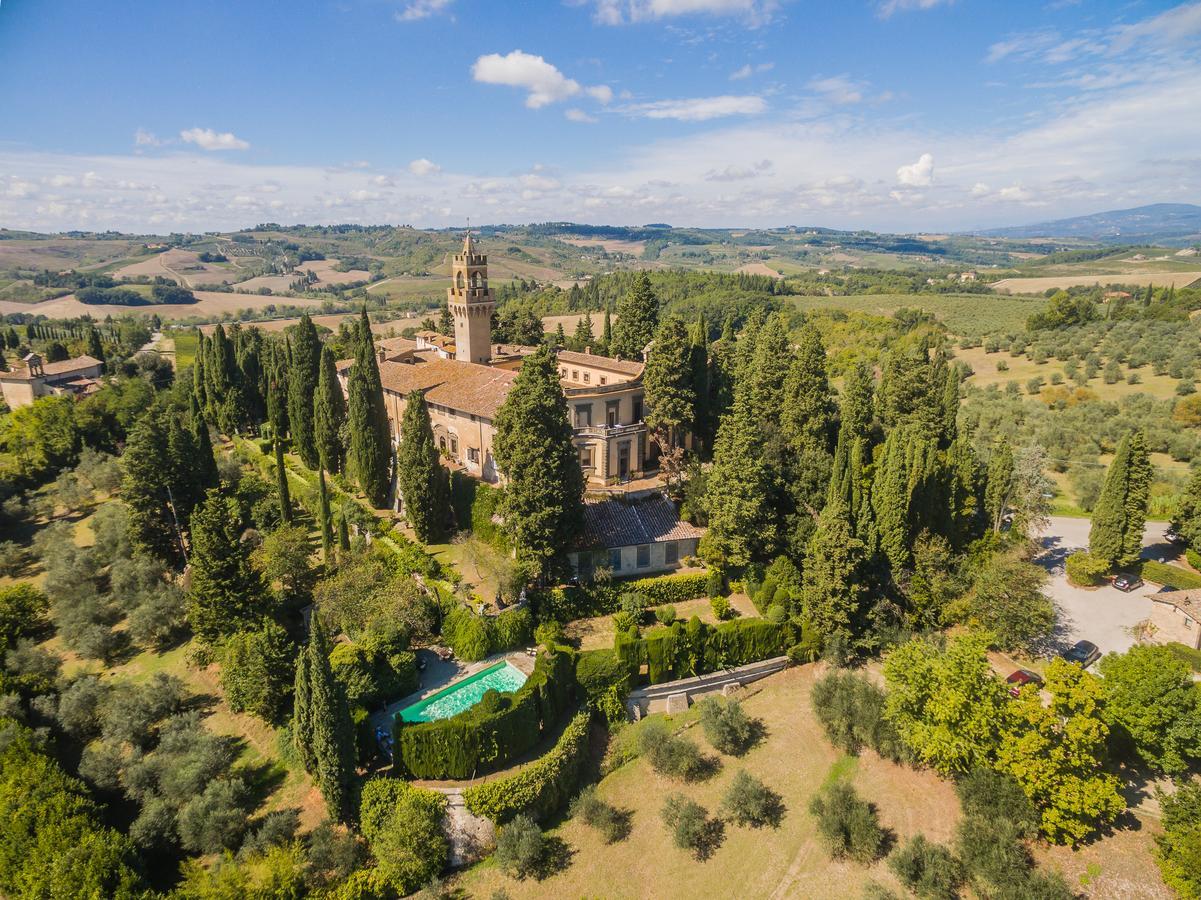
(1175, 618)
(34, 378)
(641, 537)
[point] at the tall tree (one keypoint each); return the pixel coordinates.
(950, 404)
(329, 415)
(668, 380)
(251, 377)
(446, 322)
(324, 730)
(833, 586)
(1187, 520)
(764, 381)
(907, 394)
(855, 411)
(890, 499)
(281, 482)
(582, 339)
(808, 411)
(637, 319)
(743, 526)
(326, 523)
(199, 378)
(95, 346)
(422, 479)
(152, 522)
(542, 502)
(227, 592)
(999, 486)
(606, 341)
(698, 337)
(367, 419)
(1120, 514)
(302, 387)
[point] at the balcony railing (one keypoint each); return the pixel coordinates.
(607, 431)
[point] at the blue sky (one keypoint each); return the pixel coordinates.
(914, 115)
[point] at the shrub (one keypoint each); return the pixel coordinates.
(748, 801)
(520, 847)
(623, 621)
(714, 584)
(929, 870)
(512, 628)
(690, 825)
(1175, 577)
(851, 710)
(989, 794)
(549, 634)
(1189, 655)
(22, 611)
(992, 853)
(1193, 557)
(1085, 570)
(214, 820)
(256, 671)
(12, 558)
(469, 635)
(721, 608)
(606, 818)
(671, 755)
(847, 824)
(777, 614)
(540, 788)
(665, 615)
(403, 827)
(1177, 848)
(727, 727)
(596, 671)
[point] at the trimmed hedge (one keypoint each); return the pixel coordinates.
(587, 601)
(683, 651)
(541, 788)
(1172, 576)
(1085, 570)
(497, 729)
(474, 504)
(1191, 657)
(474, 637)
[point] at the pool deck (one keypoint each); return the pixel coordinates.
(440, 673)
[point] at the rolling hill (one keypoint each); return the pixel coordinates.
(1171, 224)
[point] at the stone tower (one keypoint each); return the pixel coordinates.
(471, 304)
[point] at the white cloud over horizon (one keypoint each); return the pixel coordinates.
(207, 139)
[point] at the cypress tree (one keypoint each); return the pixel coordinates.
(890, 499)
(542, 502)
(1120, 514)
(999, 485)
(302, 387)
(327, 535)
(744, 348)
(606, 342)
(227, 591)
(330, 729)
(742, 522)
(152, 524)
(205, 461)
(771, 362)
(698, 336)
(367, 419)
(302, 723)
(950, 404)
(808, 412)
(637, 319)
(199, 381)
(3, 361)
(833, 586)
(277, 399)
(446, 322)
(95, 347)
(420, 475)
(343, 535)
(906, 393)
(251, 379)
(329, 414)
(583, 339)
(281, 483)
(668, 380)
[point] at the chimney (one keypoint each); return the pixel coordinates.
(381, 354)
(588, 350)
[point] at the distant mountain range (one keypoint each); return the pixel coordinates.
(1173, 224)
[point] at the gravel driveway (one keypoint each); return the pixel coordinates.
(1102, 615)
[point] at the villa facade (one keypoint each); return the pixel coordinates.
(466, 379)
(34, 378)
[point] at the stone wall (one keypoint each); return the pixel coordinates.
(675, 696)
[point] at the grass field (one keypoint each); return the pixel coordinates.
(971, 314)
(1021, 369)
(185, 348)
(795, 760)
(1139, 277)
(209, 304)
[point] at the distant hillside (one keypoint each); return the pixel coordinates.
(1173, 224)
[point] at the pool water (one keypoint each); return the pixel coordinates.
(453, 699)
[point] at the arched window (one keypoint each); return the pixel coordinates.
(459, 281)
(475, 279)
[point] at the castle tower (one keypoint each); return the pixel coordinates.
(471, 304)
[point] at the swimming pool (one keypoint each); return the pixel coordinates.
(454, 698)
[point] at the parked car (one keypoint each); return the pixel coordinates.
(1022, 677)
(1084, 652)
(1127, 581)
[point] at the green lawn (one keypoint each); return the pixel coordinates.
(185, 347)
(971, 314)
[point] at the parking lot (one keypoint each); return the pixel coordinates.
(1104, 615)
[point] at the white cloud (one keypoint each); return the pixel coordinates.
(539, 182)
(699, 109)
(207, 139)
(918, 174)
(423, 167)
(144, 138)
(748, 70)
(888, 7)
(578, 115)
(422, 9)
(740, 173)
(544, 83)
(839, 89)
(620, 12)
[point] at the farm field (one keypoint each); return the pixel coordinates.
(609, 245)
(1039, 285)
(1021, 369)
(58, 253)
(404, 287)
(961, 313)
(796, 760)
(181, 266)
(209, 303)
(327, 274)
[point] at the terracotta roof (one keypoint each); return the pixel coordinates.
(624, 366)
(463, 386)
(1186, 601)
(63, 367)
(614, 523)
(393, 344)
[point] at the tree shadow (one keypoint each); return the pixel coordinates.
(556, 856)
(712, 836)
(704, 768)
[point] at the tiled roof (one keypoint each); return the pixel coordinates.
(624, 366)
(463, 386)
(1186, 601)
(62, 367)
(613, 523)
(395, 344)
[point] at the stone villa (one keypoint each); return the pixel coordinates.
(466, 379)
(35, 378)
